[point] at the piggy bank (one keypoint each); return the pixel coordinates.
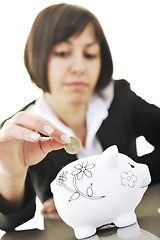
(98, 190)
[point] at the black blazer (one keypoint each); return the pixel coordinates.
(129, 117)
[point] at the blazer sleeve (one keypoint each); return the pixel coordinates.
(27, 210)
(23, 213)
(146, 121)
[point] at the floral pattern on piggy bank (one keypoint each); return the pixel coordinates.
(98, 190)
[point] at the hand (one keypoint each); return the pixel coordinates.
(49, 209)
(21, 144)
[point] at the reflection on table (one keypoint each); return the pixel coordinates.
(147, 228)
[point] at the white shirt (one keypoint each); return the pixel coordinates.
(97, 111)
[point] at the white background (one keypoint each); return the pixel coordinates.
(132, 28)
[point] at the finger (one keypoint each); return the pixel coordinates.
(49, 202)
(49, 205)
(50, 209)
(38, 124)
(51, 215)
(17, 132)
(48, 144)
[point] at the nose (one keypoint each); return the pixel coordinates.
(78, 64)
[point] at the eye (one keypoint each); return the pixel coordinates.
(61, 54)
(90, 56)
(132, 166)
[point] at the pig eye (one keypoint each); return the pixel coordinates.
(132, 166)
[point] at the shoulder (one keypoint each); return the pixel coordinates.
(122, 84)
(125, 97)
(122, 89)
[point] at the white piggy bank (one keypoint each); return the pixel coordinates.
(98, 190)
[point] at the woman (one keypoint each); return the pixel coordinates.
(68, 57)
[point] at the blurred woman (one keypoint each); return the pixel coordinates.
(68, 57)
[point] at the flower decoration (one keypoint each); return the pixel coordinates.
(128, 179)
(83, 169)
(62, 178)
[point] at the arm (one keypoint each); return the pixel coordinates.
(22, 213)
(141, 119)
(21, 146)
(146, 119)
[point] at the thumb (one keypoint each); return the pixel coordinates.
(48, 144)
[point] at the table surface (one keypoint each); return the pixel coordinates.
(147, 227)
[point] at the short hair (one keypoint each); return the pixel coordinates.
(55, 24)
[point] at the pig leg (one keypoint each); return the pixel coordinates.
(84, 231)
(125, 220)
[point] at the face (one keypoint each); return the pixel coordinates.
(74, 67)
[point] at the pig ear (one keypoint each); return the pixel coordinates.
(110, 156)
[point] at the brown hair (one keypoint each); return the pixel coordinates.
(55, 24)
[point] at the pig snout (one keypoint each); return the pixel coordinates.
(145, 177)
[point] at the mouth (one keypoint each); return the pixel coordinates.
(77, 85)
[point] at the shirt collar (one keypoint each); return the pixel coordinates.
(97, 111)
